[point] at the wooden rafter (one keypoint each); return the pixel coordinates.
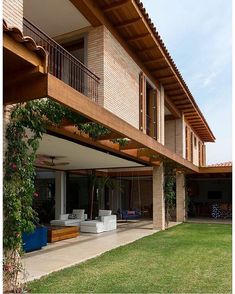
(173, 109)
(114, 5)
(138, 37)
(128, 23)
(157, 69)
(147, 49)
(177, 97)
(154, 60)
(169, 76)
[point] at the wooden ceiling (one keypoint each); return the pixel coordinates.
(133, 24)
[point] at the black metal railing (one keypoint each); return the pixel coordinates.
(64, 65)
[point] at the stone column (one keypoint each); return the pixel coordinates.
(158, 198)
(60, 193)
(180, 197)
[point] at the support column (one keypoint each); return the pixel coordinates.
(60, 193)
(180, 197)
(158, 198)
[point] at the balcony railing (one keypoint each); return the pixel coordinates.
(64, 65)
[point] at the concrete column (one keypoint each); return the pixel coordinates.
(60, 193)
(180, 197)
(158, 198)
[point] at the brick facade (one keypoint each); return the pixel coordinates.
(119, 74)
(180, 198)
(13, 13)
(158, 198)
(95, 57)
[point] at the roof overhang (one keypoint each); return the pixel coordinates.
(22, 60)
(215, 169)
(131, 25)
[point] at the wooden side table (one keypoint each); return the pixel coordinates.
(55, 233)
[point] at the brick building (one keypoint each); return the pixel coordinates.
(105, 60)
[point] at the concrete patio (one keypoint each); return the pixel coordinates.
(59, 255)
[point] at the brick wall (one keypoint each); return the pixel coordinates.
(95, 57)
(119, 74)
(121, 81)
(13, 13)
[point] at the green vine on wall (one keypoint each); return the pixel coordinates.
(28, 123)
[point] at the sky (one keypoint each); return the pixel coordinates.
(198, 35)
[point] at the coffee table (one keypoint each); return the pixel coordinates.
(58, 233)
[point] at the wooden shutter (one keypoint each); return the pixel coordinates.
(186, 143)
(142, 102)
(191, 146)
(155, 114)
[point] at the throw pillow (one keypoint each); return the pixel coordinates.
(131, 212)
(72, 216)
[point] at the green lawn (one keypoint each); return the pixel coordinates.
(189, 258)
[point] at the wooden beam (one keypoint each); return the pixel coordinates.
(169, 117)
(154, 60)
(146, 49)
(23, 75)
(109, 144)
(157, 69)
(90, 9)
(212, 169)
(64, 94)
(131, 145)
(74, 134)
(169, 84)
(20, 50)
(89, 13)
(170, 105)
(25, 90)
(115, 5)
(138, 37)
(132, 152)
(128, 23)
(169, 76)
(177, 97)
(111, 136)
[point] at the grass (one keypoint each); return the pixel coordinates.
(189, 258)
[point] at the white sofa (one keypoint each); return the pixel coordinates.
(106, 222)
(65, 221)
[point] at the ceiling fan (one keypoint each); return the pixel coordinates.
(49, 160)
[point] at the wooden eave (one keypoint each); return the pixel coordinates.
(215, 169)
(24, 62)
(141, 147)
(128, 19)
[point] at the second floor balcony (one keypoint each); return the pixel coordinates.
(63, 65)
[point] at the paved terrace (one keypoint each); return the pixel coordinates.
(62, 254)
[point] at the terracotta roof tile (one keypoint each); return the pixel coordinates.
(223, 164)
(28, 42)
(156, 34)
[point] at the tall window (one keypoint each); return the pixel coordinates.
(148, 107)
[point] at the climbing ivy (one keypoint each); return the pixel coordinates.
(27, 124)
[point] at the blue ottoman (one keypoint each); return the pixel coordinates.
(35, 240)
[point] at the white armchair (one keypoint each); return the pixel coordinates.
(105, 222)
(64, 219)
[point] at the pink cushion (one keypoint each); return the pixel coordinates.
(131, 212)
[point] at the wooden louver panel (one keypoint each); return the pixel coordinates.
(155, 114)
(142, 102)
